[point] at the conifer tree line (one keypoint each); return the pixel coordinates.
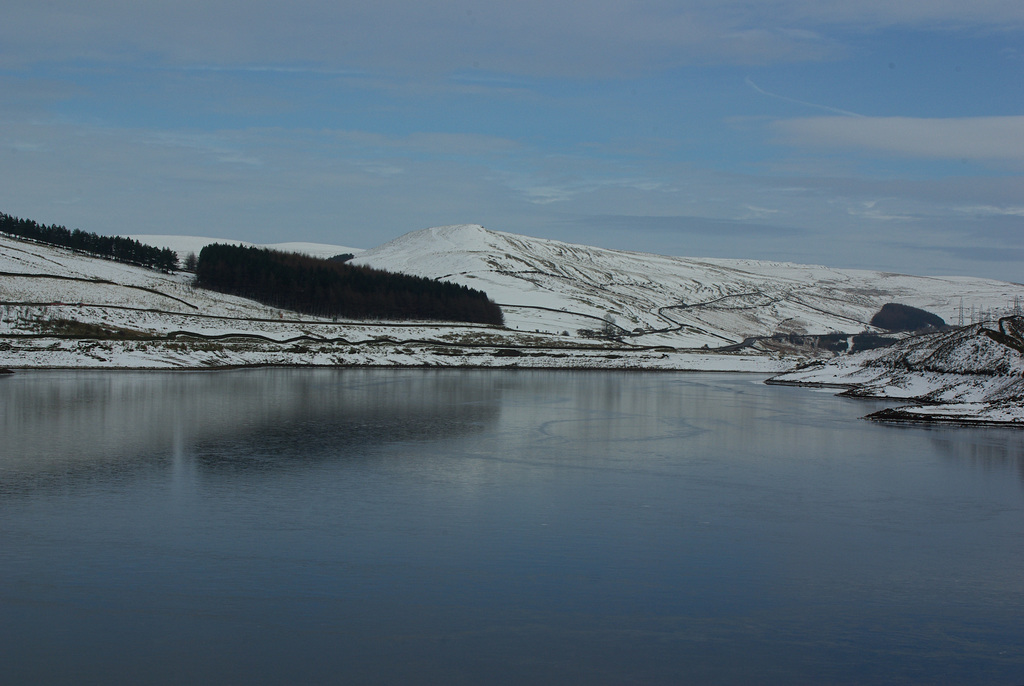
(334, 289)
(113, 247)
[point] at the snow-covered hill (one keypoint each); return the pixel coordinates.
(41, 274)
(974, 373)
(61, 308)
(552, 286)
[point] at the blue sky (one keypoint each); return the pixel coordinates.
(883, 135)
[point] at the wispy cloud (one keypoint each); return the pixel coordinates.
(869, 209)
(537, 37)
(814, 105)
(691, 225)
(973, 138)
(992, 211)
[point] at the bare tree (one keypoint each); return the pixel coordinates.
(608, 328)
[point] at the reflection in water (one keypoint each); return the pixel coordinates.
(454, 526)
(59, 422)
(991, 449)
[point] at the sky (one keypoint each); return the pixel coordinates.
(872, 134)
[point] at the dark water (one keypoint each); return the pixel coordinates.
(466, 527)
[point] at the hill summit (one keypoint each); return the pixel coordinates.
(553, 286)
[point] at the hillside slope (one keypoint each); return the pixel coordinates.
(551, 286)
(59, 308)
(970, 374)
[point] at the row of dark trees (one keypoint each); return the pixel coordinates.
(334, 289)
(897, 317)
(113, 247)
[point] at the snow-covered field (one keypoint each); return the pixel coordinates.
(186, 352)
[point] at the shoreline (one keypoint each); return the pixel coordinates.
(426, 367)
(899, 416)
(244, 352)
(903, 415)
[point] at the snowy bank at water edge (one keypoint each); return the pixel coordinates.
(969, 375)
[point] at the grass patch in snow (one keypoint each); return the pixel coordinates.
(69, 328)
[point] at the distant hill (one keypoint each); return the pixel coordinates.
(580, 292)
(662, 312)
(552, 286)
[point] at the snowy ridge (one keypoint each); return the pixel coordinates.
(183, 245)
(551, 286)
(973, 374)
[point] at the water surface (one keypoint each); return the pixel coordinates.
(385, 526)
